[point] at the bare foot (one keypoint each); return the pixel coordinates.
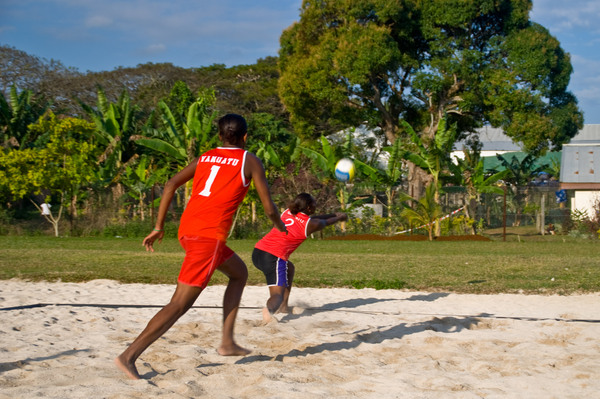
(284, 309)
(129, 369)
(267, 318)
(232, 350)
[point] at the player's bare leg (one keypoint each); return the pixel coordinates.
(284, 307)
(274, 302)
(236, 270)
(182, 300)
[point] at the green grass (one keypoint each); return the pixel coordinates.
(551, 266)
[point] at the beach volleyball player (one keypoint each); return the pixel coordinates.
(221, 178)
(271, 254)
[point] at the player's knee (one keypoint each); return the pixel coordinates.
(240, 274)
(178, 308)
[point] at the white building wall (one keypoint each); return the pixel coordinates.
(584, 201)
(377, 208)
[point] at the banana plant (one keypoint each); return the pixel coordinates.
(267, 138)
(387, 178)
(325, 161)
(432, 155)
(114, 127)
(180, 141)
(16, 114)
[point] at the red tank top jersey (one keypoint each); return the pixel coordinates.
(218, 189)
(282, 245)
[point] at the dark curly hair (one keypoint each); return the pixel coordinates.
(302, 203)
(232, 128)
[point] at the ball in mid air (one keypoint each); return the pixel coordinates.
(344, 170)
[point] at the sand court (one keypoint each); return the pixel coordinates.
(58, 340)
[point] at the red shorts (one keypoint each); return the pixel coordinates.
(202, 257)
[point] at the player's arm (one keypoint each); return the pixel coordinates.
(254, 170)
(316, 224)
(171, 186)
(326, 216)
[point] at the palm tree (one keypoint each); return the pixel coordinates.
(425, 212)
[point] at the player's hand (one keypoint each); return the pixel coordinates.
(342, 216)
(150, 238)
(282, 228)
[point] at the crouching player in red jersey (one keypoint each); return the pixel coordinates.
(271, 254)
(221, 179)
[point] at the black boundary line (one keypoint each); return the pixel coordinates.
(482, 316)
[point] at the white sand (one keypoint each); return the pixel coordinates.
(344, 343)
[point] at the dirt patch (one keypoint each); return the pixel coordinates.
(402, 237)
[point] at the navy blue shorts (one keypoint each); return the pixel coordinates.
(275, 269)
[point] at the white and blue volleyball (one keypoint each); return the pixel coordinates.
(344, 170)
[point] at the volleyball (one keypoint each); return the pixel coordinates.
(344, 170)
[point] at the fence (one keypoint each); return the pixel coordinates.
(518, 206)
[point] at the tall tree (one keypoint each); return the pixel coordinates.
(377, 61)
(28, 72)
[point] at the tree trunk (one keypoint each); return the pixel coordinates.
(417, 181)
(142, 206)
(343, 205)
(437, 223)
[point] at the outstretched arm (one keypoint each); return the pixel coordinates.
(326, 216)
(171, 186)
(317, 224)
(255, 170)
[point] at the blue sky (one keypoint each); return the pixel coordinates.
(100, 35)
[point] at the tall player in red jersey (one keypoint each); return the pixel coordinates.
(271, 254)
(221, 179)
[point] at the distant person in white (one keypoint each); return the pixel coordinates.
(46, 209)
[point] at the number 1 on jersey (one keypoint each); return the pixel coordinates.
(211, 179)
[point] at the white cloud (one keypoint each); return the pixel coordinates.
(6, 28)
(155, 49)
(97, 21)
(560, 15)
(180, 21)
